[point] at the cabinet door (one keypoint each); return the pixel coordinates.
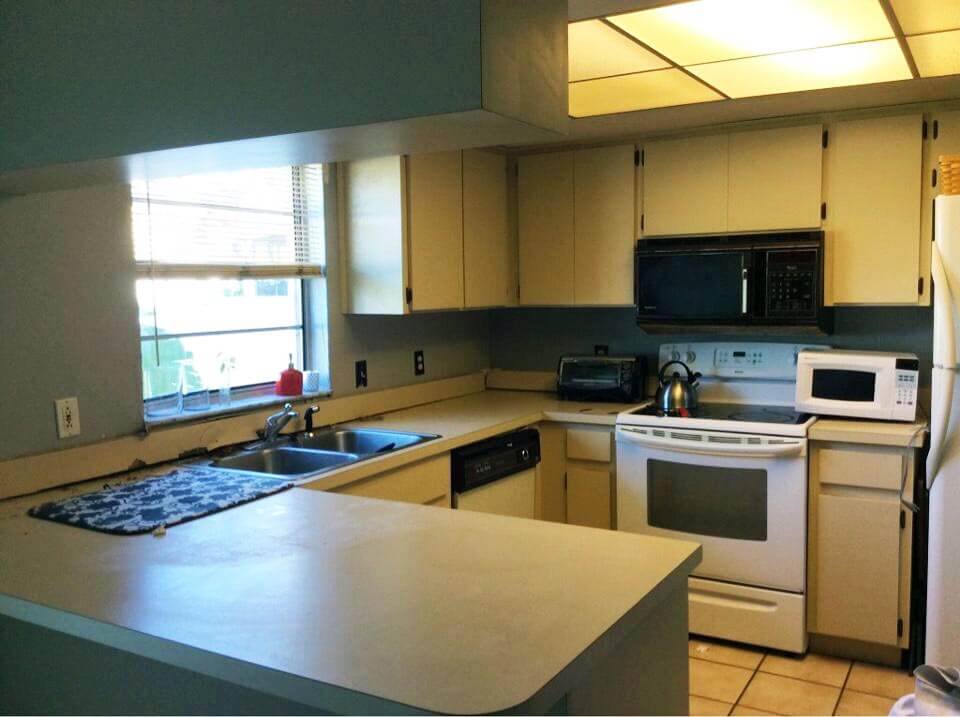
(545, 209)
(685, 186)
(603, 202)
(426, 482)
(435, 234)
(372, 235)
(775, 179)
(873, 211)
(858, 567)
(589, 496)
(943, 137)
(486, 241)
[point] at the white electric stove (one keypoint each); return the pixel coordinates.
(731, 475)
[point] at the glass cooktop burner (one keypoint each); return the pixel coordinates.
(734, 412)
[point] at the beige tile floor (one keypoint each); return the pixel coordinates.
(739, 680)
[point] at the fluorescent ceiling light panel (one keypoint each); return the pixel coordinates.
(918, 16)
(597, 50)
(841, 66)
(714, 30)
(641, 91)
(937, 53)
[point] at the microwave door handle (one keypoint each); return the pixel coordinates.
(743, 304)
(716, 449)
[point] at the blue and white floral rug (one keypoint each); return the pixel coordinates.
(184, 494)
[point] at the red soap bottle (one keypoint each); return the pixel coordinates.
(291, 381)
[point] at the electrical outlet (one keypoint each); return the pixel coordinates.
(68, 417)
(419, 368)
(601, 350)
(361, 373)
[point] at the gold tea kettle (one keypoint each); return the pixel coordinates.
(678, 392)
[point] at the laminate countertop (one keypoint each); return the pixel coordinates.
(351, 604)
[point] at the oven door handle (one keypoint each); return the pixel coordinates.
(776, 450)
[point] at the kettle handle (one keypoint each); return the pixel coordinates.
(691, 376)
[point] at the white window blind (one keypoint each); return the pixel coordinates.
(252, 223)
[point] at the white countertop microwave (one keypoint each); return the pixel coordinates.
(859, 384)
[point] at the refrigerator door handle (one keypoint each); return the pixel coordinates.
(944, 364)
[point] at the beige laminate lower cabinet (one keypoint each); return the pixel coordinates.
(590, 476)
(426, 482)
(859, 554)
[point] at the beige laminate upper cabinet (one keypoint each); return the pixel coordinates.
(685, 186)
(943, 137)
(604, 215)
(487, 271)
(545, 224)
(774, 179)
(435, 233)
(373, 258)
(873, 211)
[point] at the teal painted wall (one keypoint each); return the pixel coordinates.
(103, 78)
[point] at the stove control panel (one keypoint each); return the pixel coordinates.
(756, 360)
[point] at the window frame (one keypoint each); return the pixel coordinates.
(242, 397)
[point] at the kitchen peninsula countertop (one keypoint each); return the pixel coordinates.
(353, 604)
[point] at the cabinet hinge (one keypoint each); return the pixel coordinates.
(936, 129)
(409, 295)
(924, 129)
(641, 222)
(636, 158)
(903, 519)
(933, 178)
(899, 627)
(826, 138)
(823, 210)
(643, 157)
(920, 286)
(564, 481)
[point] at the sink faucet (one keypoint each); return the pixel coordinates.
(277, 421)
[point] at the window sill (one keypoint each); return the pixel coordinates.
(237, 406)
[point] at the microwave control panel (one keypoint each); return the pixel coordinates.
(907, 376)
(792, 282)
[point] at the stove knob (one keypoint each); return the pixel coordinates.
(525, 454)
(675, 356)
(691, 357)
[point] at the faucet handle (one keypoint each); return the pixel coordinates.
(308, 417)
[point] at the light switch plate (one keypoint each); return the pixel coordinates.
(68, 417)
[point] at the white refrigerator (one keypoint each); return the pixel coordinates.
(943, 461)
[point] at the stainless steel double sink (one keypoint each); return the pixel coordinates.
(306, 454)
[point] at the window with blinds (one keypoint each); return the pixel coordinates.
(221, 259)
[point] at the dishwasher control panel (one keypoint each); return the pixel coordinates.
(498, 457)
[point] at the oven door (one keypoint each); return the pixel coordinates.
(742, 496)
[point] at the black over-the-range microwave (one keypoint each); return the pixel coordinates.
(746, 281)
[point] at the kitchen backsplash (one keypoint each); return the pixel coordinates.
(533, 339)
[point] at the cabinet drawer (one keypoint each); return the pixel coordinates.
(426, 481)
(864, 469)
(589, 444)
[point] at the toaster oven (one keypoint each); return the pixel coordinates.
(602, 378)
